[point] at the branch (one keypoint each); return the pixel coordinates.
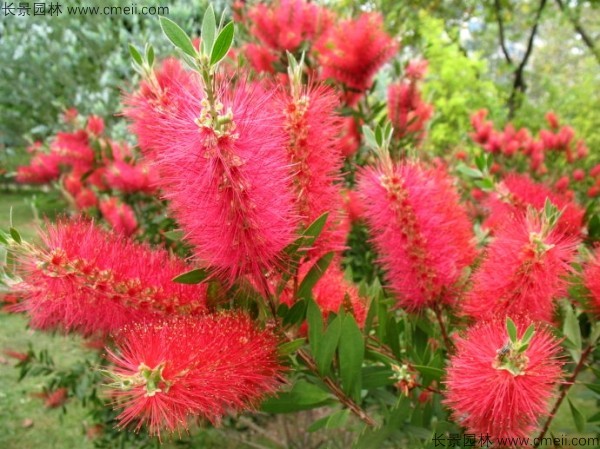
(519, 83)
(588, 41)
(566, 386)
(501, 29)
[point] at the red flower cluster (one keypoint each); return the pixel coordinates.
(88, 280)
(88, 166)
(407, 111)
(353, 51)
(524, 270)
(495, 390)
(234, 199)
(511, 142)
(518, 192)
(421, 232)
(168, 371)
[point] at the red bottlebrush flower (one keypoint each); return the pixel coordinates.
(591, 279)
(85, 199)
(42, 169)
(593, 191)
(72, 183)
(231, 191)
(286, 24)
(168, 371)
(333, 291)
(95, 125)
(552, 120)
(119, 215)
(421, 232)
(517, 192)
(562, 184)
(349, 139)
(260, 58)
(524, 270)
(312, 127)
(579, 175)
(353, 205)
(407, 111)
(74, 150)
(492, 389)
(355, 50)
(70, 115)
(89, 280)
(416, 69)
(56, 398)
(20, 356)
(129, 178)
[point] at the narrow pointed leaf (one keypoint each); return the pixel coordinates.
(135, 55)
(314, 274)
(177, 36)
(222, 44)
(195, 276)
(351, 354)
(208, 31)
(328, 345)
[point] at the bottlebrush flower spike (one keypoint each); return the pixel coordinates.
(406, 109)
(353, 51)
(286, 24)
(228, 180)
(495, 387)
(591, 279)
(89, 280)
(524, 270)
(119, 215)
(421, 232)
(168, 371)
(314, 153)
(517, 192)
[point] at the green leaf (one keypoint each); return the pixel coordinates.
(3, 239)
(174, 235)
(302, 396)
(334, 421)
(296, 313)
(208, 31)
(571, 328)
(314, 274)
(376, 377)
(150, 55)
(484, 184)
(578, 417)
(315, 228)
(370, 138)
(290, 347)
(594, 387)
(328, 345)
(594, 418)
(436, 373)
(177, 36)
(528, 335)
(468, 171)
(351, 353)
(222, 44)
(15, 235)
(195, 276)
(315, 325)
(135, 54)
(511, 329)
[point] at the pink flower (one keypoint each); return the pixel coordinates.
(261, 58)
(591, 279)
(89, 280)
(42, 169)
(169, 371)
(552, 120)
(85, 199)
(524, 270)
(353, 51)
(286, 24)
(421, 232)
(95, 125)
(407, 111)
(119, 215)
(517, 192)
(231, 191)
(313, 148)
(129, 178)
(493, 389)
(578, 175)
